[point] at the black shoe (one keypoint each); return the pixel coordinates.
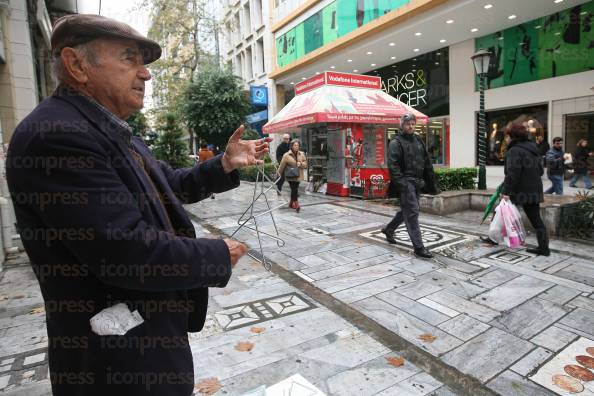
(389, 235)
(539, 252)
(423, 252)
(488, 240)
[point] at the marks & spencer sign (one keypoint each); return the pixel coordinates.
(421, 82)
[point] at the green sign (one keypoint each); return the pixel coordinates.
(333, 21)
(551, 46)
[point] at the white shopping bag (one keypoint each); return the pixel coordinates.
(514, 234)
(496, 228)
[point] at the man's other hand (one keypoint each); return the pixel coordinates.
(236, 249)
(240, 153)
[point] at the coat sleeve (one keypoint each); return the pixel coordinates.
(513, 171)
(283, 164)
(395, 165)
(103, 229)
(553, 161)
(200, 181)
(304, 162)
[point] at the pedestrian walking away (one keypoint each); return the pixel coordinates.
(523, 184)
(204, 154)
(555, 161)
(280, 151)
(411, 171)
(114, 251)
(580, 164)
(291, 166)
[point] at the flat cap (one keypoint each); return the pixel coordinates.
(71, 30)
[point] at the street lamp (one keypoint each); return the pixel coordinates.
(481, 61)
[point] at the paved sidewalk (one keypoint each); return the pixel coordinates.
(285, 331)
(504, 318)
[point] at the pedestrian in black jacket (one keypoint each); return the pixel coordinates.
(555, 160)
(103, 224)
(580, 164)
(281, 150)
(410, 172)
(523, 184)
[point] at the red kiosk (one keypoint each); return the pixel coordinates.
(345, 119)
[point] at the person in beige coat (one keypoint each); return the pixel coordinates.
(291, 166)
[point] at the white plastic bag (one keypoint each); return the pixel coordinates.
(514, 234)
(496, 227)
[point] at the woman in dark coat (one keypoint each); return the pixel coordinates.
(580, 164)
(523, 183)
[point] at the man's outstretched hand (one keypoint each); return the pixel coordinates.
(240, 153)
(236, 250)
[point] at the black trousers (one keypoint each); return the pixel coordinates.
(533, 213)
(280, 182)
(294, 190)
(409, 215)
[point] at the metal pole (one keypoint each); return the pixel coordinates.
(482, 151)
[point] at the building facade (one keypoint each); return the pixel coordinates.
(541, 71)
(247, 49)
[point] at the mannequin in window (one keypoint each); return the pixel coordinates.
(493, 142)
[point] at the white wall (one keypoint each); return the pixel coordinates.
(464, 101)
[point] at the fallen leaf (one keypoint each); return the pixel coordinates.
(395, 361)
(18, 296)
(208, 386)
(3, 297)
(427, 337)
(37, 310)
(257, 330)
(244, 346)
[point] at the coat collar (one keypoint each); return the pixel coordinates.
(103, 119)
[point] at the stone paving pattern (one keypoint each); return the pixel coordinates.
(498, 314)
(299, 336)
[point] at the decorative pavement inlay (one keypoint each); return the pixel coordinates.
(510, 257)
(570, 372)
(434, 238)
(30, 366)
(253, 312)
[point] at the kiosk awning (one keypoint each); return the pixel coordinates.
(340, 98)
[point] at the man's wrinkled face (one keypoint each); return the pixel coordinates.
(408, 127)
(118, 78)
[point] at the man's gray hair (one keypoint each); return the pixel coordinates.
(407, 117)
(59, 73)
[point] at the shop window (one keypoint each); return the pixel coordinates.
(533, 117)
(578, 127)
(434, 136)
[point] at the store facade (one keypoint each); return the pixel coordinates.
(541, 74)
(422, 82)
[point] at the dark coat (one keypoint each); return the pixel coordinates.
(97, 233)
(523, 172)
(555, 162)
(408, 160)
(281, 150)
(580, 160)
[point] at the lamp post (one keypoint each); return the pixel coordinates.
(481, 61)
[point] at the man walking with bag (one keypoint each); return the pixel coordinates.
(410, 172)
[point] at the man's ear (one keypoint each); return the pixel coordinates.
(75, 64)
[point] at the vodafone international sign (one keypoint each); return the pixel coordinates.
(340, 79)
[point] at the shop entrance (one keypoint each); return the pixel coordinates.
(577, 127)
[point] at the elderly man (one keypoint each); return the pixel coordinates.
(280, 151)
(122, 274)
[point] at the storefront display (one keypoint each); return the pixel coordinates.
(533, 117)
